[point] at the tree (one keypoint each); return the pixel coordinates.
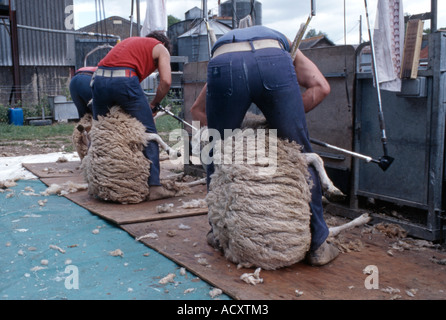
(312, 33)
(172, 20)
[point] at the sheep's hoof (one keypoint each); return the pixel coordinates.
(160, 192)
(335, 195)
(178, 153)
(324, 254)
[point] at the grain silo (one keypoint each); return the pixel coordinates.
(243, 8)
(195, 42)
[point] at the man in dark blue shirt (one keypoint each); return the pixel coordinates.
(254, 65)
(80, 89)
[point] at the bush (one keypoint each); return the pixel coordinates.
(3, 114)
(29, 110)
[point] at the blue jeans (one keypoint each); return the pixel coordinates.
(80, 92)
(127, 93)
(267, 78)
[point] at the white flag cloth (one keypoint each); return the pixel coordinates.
(156, 17)
(388, 38)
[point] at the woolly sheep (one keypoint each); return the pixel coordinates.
(115, 167)
(263, 220)
(113, 163)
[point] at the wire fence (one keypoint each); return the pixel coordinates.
(34, 102)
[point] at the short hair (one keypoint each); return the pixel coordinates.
(160, 36)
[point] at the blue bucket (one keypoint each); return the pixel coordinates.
(15, 116)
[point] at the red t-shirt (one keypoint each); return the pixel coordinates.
(135, 53)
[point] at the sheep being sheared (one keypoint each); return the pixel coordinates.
(258, 218)
(115, 167)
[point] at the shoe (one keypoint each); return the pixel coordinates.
(323, 255)
(160, 192)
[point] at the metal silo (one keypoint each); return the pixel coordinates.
(195, 44)
(243, 8)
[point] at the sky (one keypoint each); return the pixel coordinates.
(285, 16)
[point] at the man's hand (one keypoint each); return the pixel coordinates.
(155, 108)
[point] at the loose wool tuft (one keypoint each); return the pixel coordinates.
(262, 220)
(115, 167)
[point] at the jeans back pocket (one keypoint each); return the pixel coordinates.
(277, 71)
(220, 80)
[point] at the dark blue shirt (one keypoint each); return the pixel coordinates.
(251, 34)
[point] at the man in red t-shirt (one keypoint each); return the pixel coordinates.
(117, 83)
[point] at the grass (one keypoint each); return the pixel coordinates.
(59, 134)
(52, 137)
(20, 133)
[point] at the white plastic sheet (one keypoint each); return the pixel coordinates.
(156, 17)
(11, 167)
(388, 38)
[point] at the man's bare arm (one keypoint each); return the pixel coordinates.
(311, 78)
(198, 109)
(162, 56)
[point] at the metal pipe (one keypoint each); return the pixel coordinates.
(131, 18)
(354, 154)
(383, 162)
(68, 32)
(234, 14)
(104, 46)
(205, 10)
(313, 8)
(434, 15)
(138, 18)
(15, 56)
(376, 79)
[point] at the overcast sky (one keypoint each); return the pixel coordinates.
(282, 15)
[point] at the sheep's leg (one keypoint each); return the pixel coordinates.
(187, 184)
(196, 182)
(327, 184)
(159, 115)
(165, 146)
(334, 231)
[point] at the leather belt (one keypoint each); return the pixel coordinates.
(247, 46)
(88, 73)
(115, 73)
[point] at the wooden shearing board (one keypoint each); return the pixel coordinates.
(181, 237)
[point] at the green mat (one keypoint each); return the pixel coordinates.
(34, 268)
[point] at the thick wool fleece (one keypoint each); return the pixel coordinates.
(262, 220)
(115, 167)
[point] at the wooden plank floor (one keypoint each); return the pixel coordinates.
(133, 213)
(341, 279)
(181, 236)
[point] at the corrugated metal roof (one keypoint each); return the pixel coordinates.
(201, 30)
(38, 48)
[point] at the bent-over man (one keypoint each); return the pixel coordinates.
(117, 83)
(254, 65)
